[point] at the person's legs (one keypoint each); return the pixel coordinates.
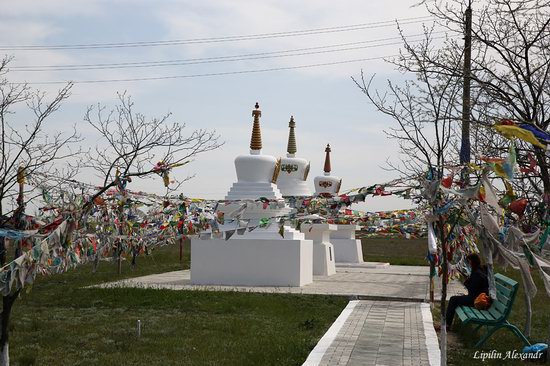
(454, 302)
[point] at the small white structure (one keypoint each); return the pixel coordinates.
(323, 251)
(293, 171)
(347, 249)
(326, 185)
(260, 257)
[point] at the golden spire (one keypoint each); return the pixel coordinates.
(327, 159)
(256, 141)
(291, 147)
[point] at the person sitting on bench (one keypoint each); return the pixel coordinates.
(476, 284)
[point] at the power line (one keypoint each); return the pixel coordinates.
(218, 59)
(235, 38)
(206, 74)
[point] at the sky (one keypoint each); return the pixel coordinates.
(326, 104)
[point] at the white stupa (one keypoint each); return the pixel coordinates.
(347, 249)
(261, 257)
(293, 171)
(327, 185)
(256, 173)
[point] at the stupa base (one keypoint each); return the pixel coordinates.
(347, 249)
(323, 251)
(252, 262)
(253, 191)
(323, 259)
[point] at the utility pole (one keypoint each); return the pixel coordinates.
(466, 112)
(19, 214)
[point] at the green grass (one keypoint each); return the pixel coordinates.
(61, 323)
(410, 252)
(461, 343)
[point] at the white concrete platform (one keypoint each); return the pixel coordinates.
(364, 281)
(251, 262)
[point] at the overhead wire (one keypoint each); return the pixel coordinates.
(84, 46)
(223, 73)
(216, 59)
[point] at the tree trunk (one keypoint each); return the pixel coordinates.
(96, 262)
(432, 282)
(119, 259)
(134, 256)
(181, 249)
(528, 313)
(2, 250)
(443, 293)
(544, 173)
(7, 303)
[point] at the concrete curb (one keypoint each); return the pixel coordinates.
(432, 342)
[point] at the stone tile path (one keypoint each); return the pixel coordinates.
(364, 281)
(380, 333)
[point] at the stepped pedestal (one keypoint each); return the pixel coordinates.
(347, 249)
(323, 251)
(253, 191)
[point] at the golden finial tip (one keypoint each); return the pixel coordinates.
(256, 140)
(327, 167)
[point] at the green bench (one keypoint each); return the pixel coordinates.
(496, 316)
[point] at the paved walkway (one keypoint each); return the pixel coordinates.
(379, 333)
(364, 281)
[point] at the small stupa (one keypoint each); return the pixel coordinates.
(327, 185)
(347, 248)
(293, 171)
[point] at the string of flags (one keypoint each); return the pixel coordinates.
(128, 222)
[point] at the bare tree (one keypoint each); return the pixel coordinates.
(131, 143)
(27, 148)
(426, 110)
(510, 70)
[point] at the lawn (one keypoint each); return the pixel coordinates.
(61, 323)
(411, 252)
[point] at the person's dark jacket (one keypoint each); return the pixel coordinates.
(477, 283)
